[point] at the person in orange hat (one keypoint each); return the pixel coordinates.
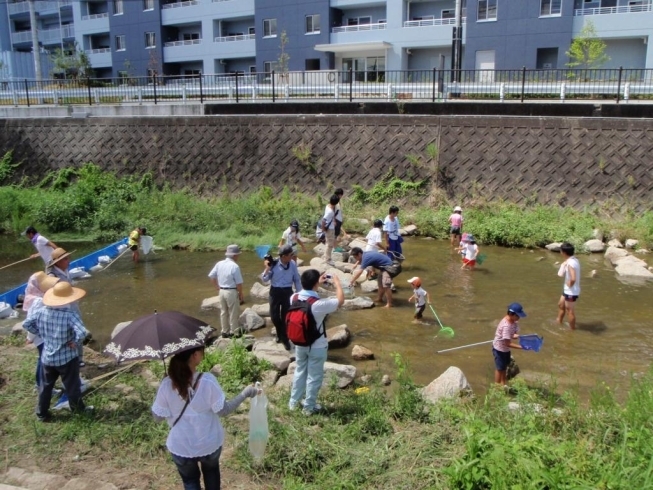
(420, 296)
(62, 331)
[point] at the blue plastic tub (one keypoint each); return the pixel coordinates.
(531, 342)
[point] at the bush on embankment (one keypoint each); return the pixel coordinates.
(94, 204)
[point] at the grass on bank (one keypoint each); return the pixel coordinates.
(98, 205)
(376, 438)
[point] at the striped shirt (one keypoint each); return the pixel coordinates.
(57, 327)
(505, 330)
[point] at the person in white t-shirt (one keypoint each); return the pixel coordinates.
(292, 237)
(570, 270)
(375, 238)
(470, 250)
(420, 296)
(42, 244)
(328, 226)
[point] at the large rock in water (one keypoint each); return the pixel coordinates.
(594, 246)
(451, 384)
(369, 286)
(360, 353)
(272, 352)
(358, 303)
(212, 303)
(615, 243)
(553, 247)
(262, 310)
(259, 291)
(344, 373)
(631, 243)
(613, 254)
(408, 230)
(250, 320)
(338, 336)
(358, 242)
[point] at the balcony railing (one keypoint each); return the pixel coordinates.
(362, 27)
(177, 5)
(242, 37)
(182, 43)
(98, 50)
(20, 7)
(50, 36)
(95, 16)
(432, 22)
(21, 37)
(625, 9)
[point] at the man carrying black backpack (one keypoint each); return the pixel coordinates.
(307, 314)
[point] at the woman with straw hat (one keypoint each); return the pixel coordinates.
(62, 331)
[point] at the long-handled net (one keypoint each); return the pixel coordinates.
(480, 259)
(262, 250)
(444, 331)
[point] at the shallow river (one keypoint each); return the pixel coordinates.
(612, 338)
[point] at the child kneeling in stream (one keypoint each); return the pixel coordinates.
(507, 330)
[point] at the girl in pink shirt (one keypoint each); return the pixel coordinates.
(456, 222)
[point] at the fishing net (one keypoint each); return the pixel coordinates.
(480, 259)
(531, 342)
(262, 250)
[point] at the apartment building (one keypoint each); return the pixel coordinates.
(370, 37)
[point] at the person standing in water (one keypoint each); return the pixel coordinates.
(570, 270)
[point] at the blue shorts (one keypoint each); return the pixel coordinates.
(394, 246)
(570, 298)
(501, 359)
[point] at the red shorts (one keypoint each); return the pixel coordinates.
(471, 263)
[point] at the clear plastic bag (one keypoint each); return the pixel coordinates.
(258, 425)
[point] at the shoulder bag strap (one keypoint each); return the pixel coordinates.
(187, 401)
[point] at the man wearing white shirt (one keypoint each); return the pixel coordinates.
(43, 246)
(329, 227)
(228, 280)
(309, 372)
(570, 270)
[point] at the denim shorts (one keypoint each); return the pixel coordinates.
(501, 359)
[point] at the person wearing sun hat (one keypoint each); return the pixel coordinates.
(456, 225)
(58, 265)
(228, 280)
(420, 296)
(507, 330)
(62, 331)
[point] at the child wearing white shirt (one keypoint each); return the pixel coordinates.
(420, 296)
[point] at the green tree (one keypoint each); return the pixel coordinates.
(75, 64)
(587, 50)
(284, 58)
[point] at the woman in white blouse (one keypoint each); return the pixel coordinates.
(192, 404)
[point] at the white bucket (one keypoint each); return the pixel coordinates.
(5, 310)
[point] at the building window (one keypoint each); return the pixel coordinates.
(487, 10)
(120, 43)
(268, 66)
(359, 21)
(251, 30)
(117, 7)
(150, 40)
(313, 24)
(148, 4)
(252, 70)
(550, 8)
(449, 14)
(191, 36)
(270, 28)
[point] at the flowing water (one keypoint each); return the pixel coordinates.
(611, 341)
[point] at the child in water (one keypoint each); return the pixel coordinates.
(420, 296)
(507, 331)
(470, 252)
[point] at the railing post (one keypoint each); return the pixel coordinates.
(621, 71)
(523, 82)
(627, 91)
(96, 96)
(236, 75)
(140, 95)
(502, 92)
(154, 85)
(274, 95)
(351, 84)
(183, 93)
(27, 92)
(201, 92)
(16, 97)
(88, 88)
(434, 82)
(563, 88)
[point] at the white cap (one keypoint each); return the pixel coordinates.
(412, 279)
(457, 208)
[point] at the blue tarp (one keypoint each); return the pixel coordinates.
(86, 262)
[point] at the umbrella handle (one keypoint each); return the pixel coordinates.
(436, 316)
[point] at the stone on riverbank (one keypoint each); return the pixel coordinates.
(627, 265)
(553, 247)
(358, 303)
(212, 303)
(385, 380)
(272, 352)
(344, 373)
(613, 254)
(250, 320)
(259, 291)
(119, 328)
(262, 310)
(615, 243)
(451, 384)
(407, 230)
(360, 353)
(594, 246)
(369, 286)
(17, 329)
(631, 243)
(358, 242)
(338, 336)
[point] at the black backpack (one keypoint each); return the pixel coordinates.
(301, 328)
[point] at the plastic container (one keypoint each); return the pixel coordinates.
(531, 342)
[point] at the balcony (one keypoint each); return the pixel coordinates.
(625, 9)
(176, 5)
(95, 16)
(54, 36)
(242, 37)
(432, 22)
(99, 57)
(21, 37)
(39, 6)
(190, 42)
(358, 28)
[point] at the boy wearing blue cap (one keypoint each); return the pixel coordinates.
(507, 330)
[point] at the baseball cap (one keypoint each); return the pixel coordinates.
(517, 309)
(285, 250)
(29, 229)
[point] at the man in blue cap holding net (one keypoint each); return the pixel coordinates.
(507, 330)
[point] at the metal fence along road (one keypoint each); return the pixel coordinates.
(398, 86)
